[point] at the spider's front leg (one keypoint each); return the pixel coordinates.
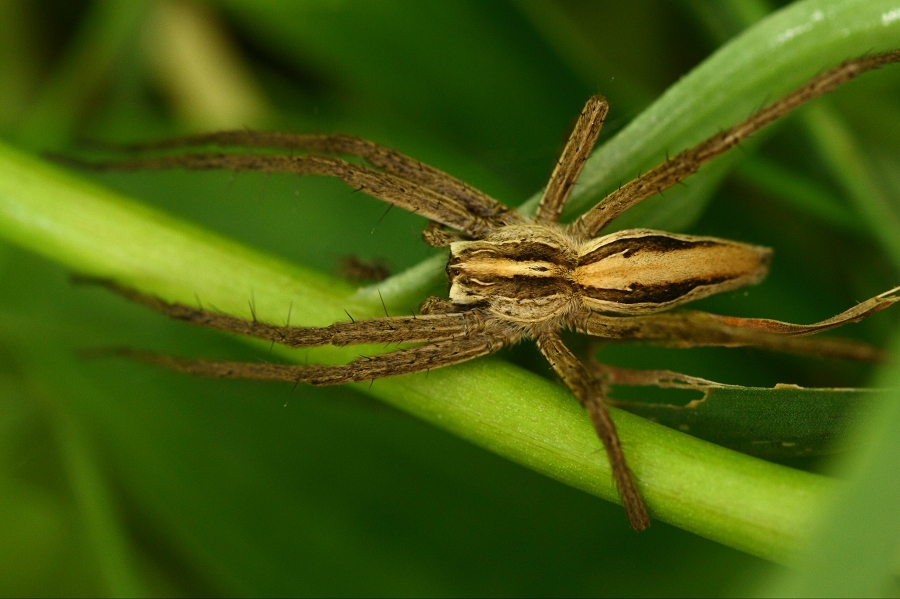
(394, 190)
(581, 384)
(405, 182)
(384, 158)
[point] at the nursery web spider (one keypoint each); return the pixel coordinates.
(513, 277)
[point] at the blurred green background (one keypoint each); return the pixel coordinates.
(119, 479)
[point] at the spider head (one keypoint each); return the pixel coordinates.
(521, 273)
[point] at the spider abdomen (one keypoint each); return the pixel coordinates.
(640, 271)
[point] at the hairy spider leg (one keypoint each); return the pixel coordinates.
(680, 166)
(576, 377)
(389, 188)
(695, 329)
(575, 154)
(426, 328)
(365, 368)
(384, 158)
(569, 369)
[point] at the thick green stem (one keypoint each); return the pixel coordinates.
(740, 501)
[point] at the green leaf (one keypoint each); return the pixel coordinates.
(786, 421)
(853, 549)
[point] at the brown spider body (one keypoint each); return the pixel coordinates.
(535, 273)
(512, 277)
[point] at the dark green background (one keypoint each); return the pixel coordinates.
(118, 478)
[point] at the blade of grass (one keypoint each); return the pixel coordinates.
(853, 551)
(764, 62)
(837, 147)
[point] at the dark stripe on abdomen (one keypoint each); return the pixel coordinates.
(651, 294)
(632, 245)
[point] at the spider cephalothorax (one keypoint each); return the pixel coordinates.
(514, 277)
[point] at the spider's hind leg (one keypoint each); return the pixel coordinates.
(364, 368)
(696, 329)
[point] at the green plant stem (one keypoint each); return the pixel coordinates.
(743, 502)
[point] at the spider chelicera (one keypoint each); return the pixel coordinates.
(514, 277)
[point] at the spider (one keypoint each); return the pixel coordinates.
(513, 277)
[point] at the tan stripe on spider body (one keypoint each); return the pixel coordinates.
(640, 271)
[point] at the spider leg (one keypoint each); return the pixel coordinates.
(383, 186)
(395, 329)
(381, 157)
(364, 368)
(687, 162)
(578, 149)
(694, 329)
(439, 236)
(579, 381)
(854, 314)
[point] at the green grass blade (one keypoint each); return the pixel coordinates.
(839, 148)
(769, 59)
(853, 552)
(771, 423)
